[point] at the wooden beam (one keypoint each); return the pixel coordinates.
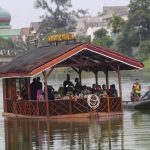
(57, 60)
(49, 72)
(46, 94)
(80, 76)
(120, 87)
(96, 77)
(4, 95)
(77, 71)
(107, 79)
(74, 60)
(28, 88)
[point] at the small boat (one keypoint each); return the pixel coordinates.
(142, 104)
(129, 104)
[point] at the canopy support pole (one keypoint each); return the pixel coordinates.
(120, 87)
(28, 88)
(107, 79)
(4, 95)
(46, 75)
(79, 73)
(96, 77)
(80, 76)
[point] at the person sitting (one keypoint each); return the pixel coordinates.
(93, 88)
(67, 84)
(146, 96)
(51, 92)
(113, 91)
(77, 86)
(98, 90)
(40, 94)
(61, 91)
(133, 96)
(137, 87)
(103, 91)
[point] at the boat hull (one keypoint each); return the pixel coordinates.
(143, 104)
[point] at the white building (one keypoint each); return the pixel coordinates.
(86, 26)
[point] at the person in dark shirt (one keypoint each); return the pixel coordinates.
(67, 84)
(38, 83)
(33, 88)
(77, 86)
(113, 91)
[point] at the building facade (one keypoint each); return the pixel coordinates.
(86, 26)
(5, 27)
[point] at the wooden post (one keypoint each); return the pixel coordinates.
(46, 91)
(20, 92)
(28, 88)
(46, 96)
(107, 80)
(80, 77)
(4, 95)
(120, 87)
(70, 104)
(108, 104)
(96, 78)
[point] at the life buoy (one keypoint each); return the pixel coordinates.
(93, 101)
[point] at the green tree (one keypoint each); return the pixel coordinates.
(128, 39)
(137, 28)
(116, 23)
(100, 33)
(144, 50)
(6, 44)
(139, 17)
(58, 13)
(102, 39)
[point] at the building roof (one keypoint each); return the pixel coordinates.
(116, 10)
(25, 31)
(80, 55)
(4, 16)
(9, 32)
(35, 25)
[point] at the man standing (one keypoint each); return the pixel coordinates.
(67, 84)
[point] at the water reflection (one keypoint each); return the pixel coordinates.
(81, 134)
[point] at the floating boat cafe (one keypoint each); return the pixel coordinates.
(43, 60)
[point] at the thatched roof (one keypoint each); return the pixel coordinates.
(80, 55)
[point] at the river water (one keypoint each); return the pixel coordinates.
(127, 132)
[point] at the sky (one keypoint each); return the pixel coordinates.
(23, 11)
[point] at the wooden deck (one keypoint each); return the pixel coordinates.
(63, 108)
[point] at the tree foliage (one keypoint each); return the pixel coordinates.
(102, 39)
(116, 23)
(6, 44)
(58, 13)
(144, 50)
(100, 33)
(137, 29)
(139, 17)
